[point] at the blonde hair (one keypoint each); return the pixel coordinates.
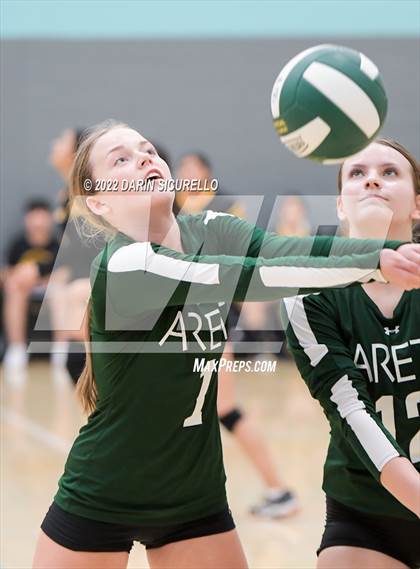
(89, 226)
(415, 172)
(82, 184)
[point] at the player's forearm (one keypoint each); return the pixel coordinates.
(322, 246)
(167, 277)
(241, 238)
(402, 480)
(225, 278)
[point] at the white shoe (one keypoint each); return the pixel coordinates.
(16, 357)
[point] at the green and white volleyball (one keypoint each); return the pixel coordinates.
(328, 103)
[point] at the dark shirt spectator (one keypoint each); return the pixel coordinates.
(30, 258)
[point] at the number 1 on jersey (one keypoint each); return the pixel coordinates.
(196, 418)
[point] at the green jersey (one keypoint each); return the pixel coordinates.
(150, 453)
(364, 369)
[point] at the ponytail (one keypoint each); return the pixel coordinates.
(86, 389)
(89, 225)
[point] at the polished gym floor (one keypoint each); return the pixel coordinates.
(40, 418)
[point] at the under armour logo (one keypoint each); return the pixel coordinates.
(388, 331)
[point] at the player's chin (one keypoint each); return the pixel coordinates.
(373, 221)
(163, 197)
(373, 207)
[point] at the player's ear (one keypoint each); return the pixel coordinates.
(415, 215)
(97, 206)
(340, 209)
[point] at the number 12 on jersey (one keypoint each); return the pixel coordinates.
(385, 405)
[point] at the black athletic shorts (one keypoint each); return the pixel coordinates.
(395, 537)
(83, 534)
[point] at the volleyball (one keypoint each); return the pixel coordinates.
(328, 103)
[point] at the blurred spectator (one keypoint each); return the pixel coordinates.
(196, 166)
(416, 233)
(70, 291)
(30, 259)
(74, 256)
(63, 150)
(292, 218)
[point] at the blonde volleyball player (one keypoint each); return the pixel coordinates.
(358, 349)
(148, 465)
(278, 500)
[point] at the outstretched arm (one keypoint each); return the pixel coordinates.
(144, 276)
(398, 262)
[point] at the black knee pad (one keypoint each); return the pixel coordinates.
(230, 419)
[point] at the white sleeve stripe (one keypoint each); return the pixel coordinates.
(210, 215)
(308, 277)
(303, 332)
(141, 257)
(371, 437)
